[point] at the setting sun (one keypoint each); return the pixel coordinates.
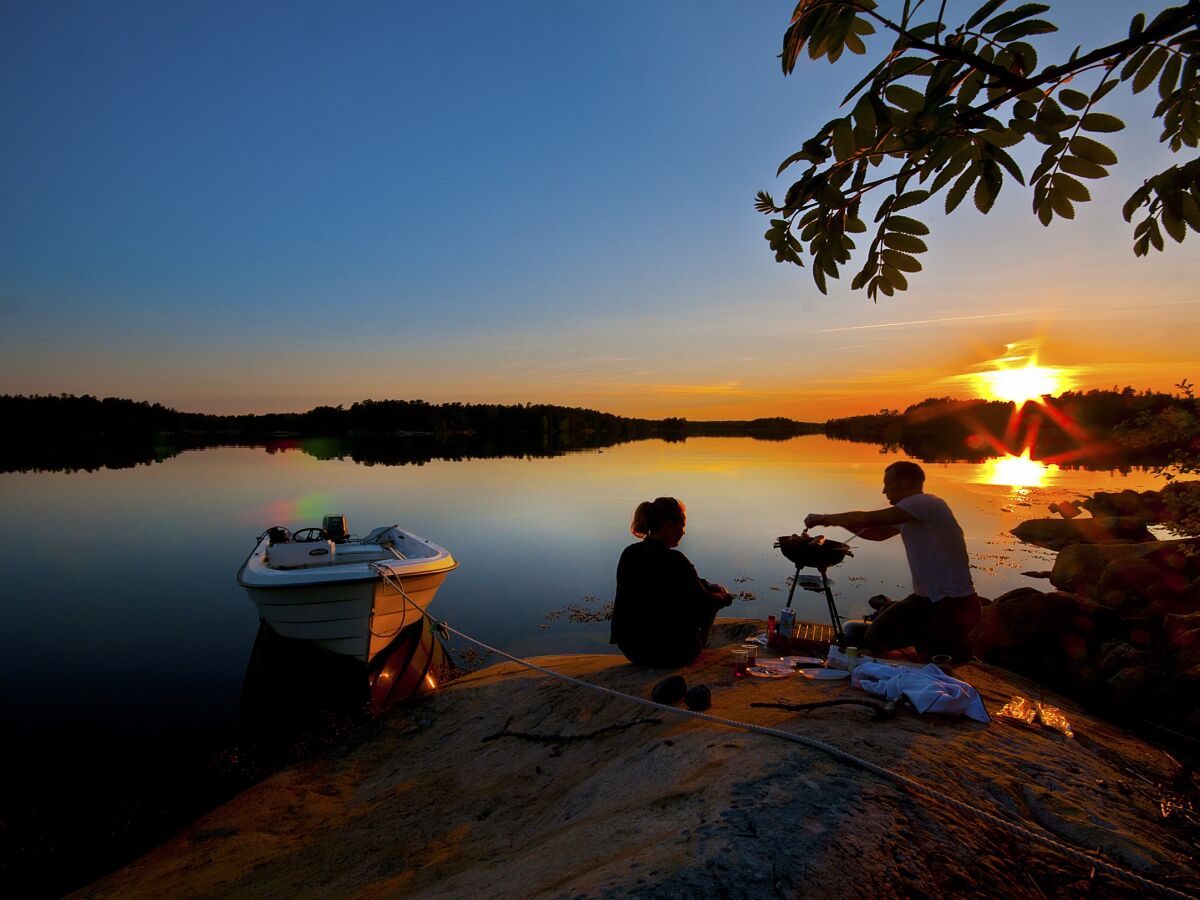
(1020, 385)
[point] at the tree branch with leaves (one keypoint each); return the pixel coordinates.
(940, 112)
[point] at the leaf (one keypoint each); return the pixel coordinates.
(927, 30)
(1173, 224)
(843, 140)
(1132, 64)
(907, 225)
(1101, 122)
(1149, 69)
(1045, 212)
(906, 242)
(1084, 168)
(1073, 188)
(1023, 109)
(763, 203)
(983, 12)
(959, 190)
(1156, 239)
(912, 198)
(1009, 163)
(1003, 138)
(986, 191)
(905, 97)
(1137, 24)
(1061, 204)
(1166, 84)
(1135, 199)
(901, 261)
(864, 122)
(794, 158)
(894, 277)
(1073, 99)
(1094, 150)
(1023, 11)
(968, 90)
(1025, 29)
(1191, 211)
(1024, 56)
(862, 26)
(1103, 90)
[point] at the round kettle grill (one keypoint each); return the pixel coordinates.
(816, 553)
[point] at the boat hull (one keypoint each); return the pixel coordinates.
(347, 609)
(354, 619)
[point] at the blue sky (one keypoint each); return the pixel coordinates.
(251, 207)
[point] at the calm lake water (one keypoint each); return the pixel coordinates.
(124, 638)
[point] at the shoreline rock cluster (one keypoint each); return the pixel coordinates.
(1121, 630)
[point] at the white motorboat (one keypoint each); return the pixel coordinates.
(349, 595)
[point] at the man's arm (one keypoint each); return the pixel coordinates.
(875, 525)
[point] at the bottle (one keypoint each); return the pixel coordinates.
(770, 630)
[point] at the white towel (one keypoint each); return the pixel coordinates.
(929, 690)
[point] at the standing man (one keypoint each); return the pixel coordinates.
(938, 615)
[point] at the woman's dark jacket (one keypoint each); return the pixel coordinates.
(662, 611)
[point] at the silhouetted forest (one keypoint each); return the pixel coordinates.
(70, 432)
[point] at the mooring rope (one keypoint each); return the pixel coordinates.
(836, 752)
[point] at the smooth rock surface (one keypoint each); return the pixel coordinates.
(434, 804)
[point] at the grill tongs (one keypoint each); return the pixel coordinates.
(817, 553)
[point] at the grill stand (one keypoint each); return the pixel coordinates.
(835, 619)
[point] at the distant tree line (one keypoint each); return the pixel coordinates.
(121, 432)
(1147, 427)
(65, 413)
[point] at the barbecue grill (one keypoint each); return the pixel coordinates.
(817, 553)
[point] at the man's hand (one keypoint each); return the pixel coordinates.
(814, 520)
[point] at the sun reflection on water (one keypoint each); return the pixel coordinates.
(1016, 471)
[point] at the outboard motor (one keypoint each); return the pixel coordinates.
(277, 534)
(335, 528)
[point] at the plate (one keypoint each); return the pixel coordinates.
(824, 674)
(770, 672)
(808, 661)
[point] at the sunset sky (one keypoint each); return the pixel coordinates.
(253, 207)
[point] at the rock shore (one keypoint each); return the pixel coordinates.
(1122, 630)
(511, 783)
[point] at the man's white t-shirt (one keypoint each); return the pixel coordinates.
(937, 552)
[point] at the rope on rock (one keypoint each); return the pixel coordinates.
(906, 782)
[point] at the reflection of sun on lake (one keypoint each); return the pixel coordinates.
(1015, 471)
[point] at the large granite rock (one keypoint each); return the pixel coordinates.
(1054, 534)
(448, 800)
(1077, 567)
(1021, 621)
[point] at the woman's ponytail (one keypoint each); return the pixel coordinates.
(650, 516)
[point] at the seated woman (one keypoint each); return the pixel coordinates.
(663, 610)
